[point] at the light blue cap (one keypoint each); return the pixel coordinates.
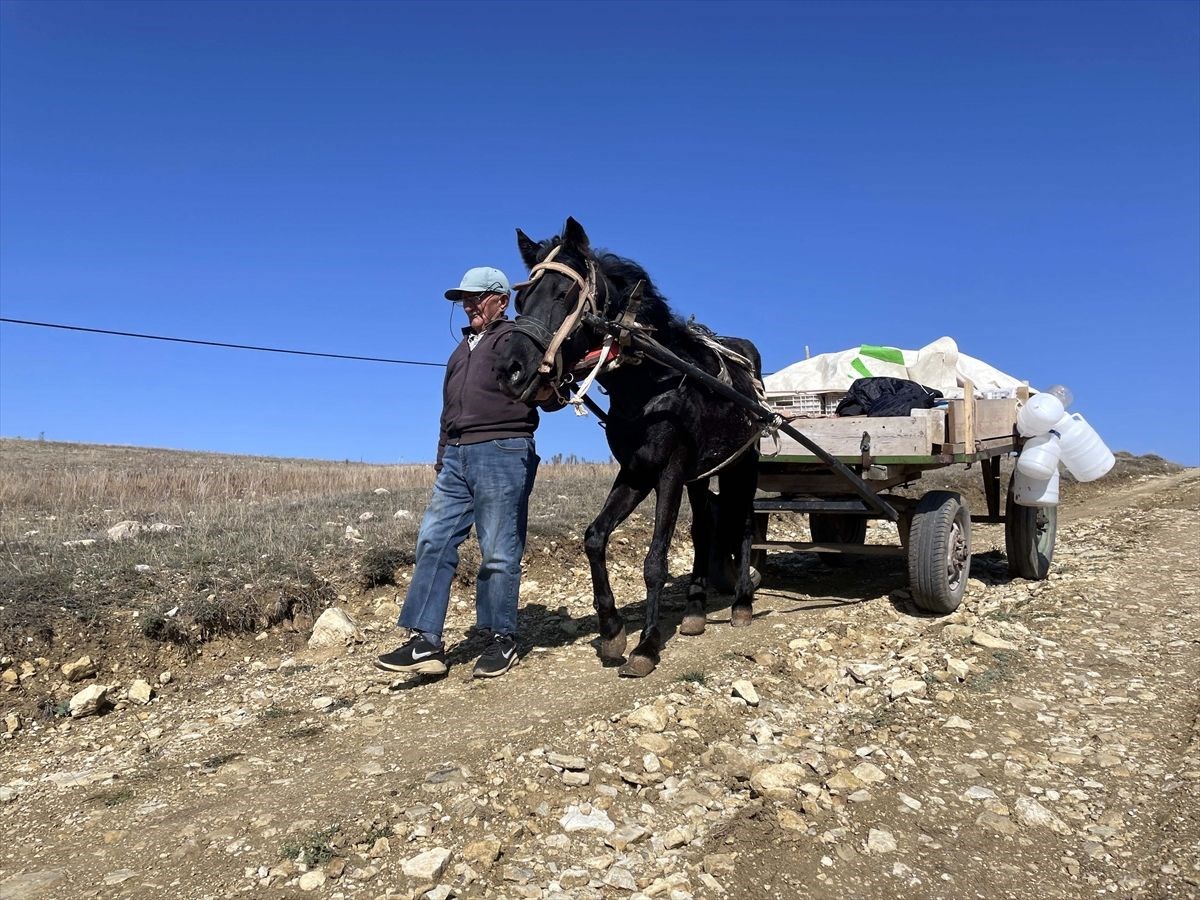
(480, 280)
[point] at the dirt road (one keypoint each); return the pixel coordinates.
(1041, 741)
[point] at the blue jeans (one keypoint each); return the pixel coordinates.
(486, 485)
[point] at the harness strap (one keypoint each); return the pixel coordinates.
(549, 265)
(628, 318)
(581, 394)
(724, 353)
(756, 436)
(536, 271)
(584, 304)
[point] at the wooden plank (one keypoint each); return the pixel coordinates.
(912, 435)
(995, 418)
(968, 420)
(803, 484)
(981, 420)
(927, 460)
(827, 486)
(991, 446)
(849, 549)
(955, 411)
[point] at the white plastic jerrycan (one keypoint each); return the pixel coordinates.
(1082, 451)
(1039, 457)
(1029, 491)
(1039, 414)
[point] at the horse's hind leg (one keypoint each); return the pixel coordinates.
(669, 492)
(622, 499)
(736, 532)
(694, 614)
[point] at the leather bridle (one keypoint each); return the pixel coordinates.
(585, 302)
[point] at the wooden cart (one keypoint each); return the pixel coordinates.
(935, 529)
(835, 469)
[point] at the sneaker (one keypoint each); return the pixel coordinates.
(499, 656)
(414, 655)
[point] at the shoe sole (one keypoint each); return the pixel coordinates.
(425, 667)
(479, 673)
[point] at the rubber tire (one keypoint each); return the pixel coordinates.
(1028, 543)
(830, 528)
(941, 518)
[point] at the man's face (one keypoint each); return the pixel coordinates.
(483, 309)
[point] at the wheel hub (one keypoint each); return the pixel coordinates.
(956, 555)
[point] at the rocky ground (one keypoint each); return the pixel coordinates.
(1041, 741)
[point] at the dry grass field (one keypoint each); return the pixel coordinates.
(231, 543)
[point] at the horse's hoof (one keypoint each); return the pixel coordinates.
(637, 667)
(741, 617)
(612, 650)
(692, 625)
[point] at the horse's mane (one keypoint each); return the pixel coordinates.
(685, 338)
(622, 274)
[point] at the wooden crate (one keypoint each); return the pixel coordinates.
(963, 427)
(985, 420)
(902, 436)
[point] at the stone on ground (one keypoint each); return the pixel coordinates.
(427, 866)
(82, 668)
(334, 629)
(91, 701)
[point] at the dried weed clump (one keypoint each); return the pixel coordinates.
(379, 564)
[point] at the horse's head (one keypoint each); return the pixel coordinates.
(550, 335)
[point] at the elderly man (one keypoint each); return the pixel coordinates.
(486, 463)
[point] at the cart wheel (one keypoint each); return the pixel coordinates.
(939, 551)
(758, 558)
(827, 528)
(1029, 533)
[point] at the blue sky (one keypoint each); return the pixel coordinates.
(1024, 177)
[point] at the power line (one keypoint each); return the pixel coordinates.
(179, 340)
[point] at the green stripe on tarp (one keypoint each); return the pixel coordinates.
(860, 368)
(885, 354)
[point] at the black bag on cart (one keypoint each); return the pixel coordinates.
(884, 396)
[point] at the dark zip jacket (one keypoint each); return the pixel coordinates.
(474, 409)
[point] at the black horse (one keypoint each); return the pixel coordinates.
(665, 430)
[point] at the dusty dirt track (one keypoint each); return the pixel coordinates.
(1042, 741)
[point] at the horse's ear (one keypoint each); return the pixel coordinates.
(528, 248)
(574, 235)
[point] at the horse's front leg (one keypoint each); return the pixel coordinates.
(694, 614)
(666, 512)
(622, 499)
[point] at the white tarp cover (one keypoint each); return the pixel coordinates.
(938, 365)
